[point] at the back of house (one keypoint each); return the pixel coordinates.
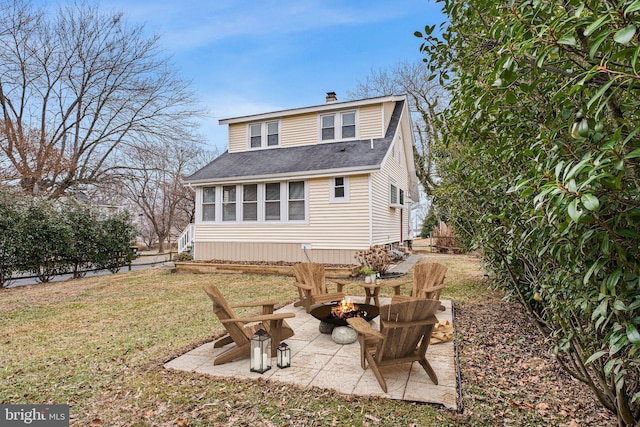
(314, 183)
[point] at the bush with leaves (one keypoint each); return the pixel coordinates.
(540, 170)
(9, 238)
(45, 238)
(83, 225)
(113, 242)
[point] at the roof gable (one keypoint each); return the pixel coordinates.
(320, 159)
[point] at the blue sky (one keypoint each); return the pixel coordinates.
(246, 57)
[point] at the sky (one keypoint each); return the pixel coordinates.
(246, 57)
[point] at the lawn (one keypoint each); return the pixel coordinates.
(99, 344)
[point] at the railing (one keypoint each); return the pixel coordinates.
(185, 242)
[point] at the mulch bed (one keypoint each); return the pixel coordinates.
(509, 373)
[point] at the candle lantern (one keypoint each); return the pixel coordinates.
(261, 352)
(284, 356)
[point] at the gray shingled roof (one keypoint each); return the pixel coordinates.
(318, 158)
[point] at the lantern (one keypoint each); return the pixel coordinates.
(284, 356)
(261, 352)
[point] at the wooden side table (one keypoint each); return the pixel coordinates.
(371, 290)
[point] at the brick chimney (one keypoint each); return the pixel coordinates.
(331, 97)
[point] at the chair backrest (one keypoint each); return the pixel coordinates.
(312, 274)
(406, 327)
(223, 311)
(427, 275)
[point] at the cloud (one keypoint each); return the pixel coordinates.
(195, 24)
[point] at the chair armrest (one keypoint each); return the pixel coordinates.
(302, 286)
(434, 288)
(363, 327)
(262, 318)
(255, 304)
(395, 286)
(339, 284)
(392, 324)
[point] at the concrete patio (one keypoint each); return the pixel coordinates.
(317, 361)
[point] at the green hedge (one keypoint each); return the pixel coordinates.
(45, 238)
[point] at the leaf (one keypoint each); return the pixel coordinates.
(511, 97)
(573, 210)
(595, 25)
(596, 356)
(568, 39)
(625, 35)
(632, 155)
(590, 202)
(633, 7)
(632, 334)
(599, 94)
(628, 232)
(618, 345)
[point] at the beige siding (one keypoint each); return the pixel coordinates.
(386, 220)
(331, 227)
(299, 130)
(303, 129)
(237, 137)
(270, 252)
(370, 122)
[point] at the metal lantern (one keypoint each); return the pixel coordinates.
(261, 352)
(284, 356)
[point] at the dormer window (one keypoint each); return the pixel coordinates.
(338, 126)
(264, 134)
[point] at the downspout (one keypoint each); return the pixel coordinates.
(401, 224)
(370, 212)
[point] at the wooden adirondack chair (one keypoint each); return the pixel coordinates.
(405, 332)
(428, 282)
(312, 285)
(241, 329)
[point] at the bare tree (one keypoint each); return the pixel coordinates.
(78, 88)
(154, 184)
(426, 99)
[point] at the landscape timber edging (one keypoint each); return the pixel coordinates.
(282, 270)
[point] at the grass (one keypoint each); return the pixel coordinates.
(99, 344)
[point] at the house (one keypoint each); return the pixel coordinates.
(314, 183)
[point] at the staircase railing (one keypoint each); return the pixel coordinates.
(185, 241)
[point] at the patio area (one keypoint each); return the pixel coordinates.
(317, 361)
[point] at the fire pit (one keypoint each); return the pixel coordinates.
(338, 314)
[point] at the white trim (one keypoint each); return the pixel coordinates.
(332, 190)
(316, 108)
(264, 134)
(337, 126)
(288, 176)
(261, 203)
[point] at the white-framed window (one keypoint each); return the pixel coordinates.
(272, 202)
(209, 204)
(283, 202)
(338, 126)
(296, 207)
(229, 203)
(265, 134)
(328, 127)
(339, 189)
(250, 202)
(396, 196)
